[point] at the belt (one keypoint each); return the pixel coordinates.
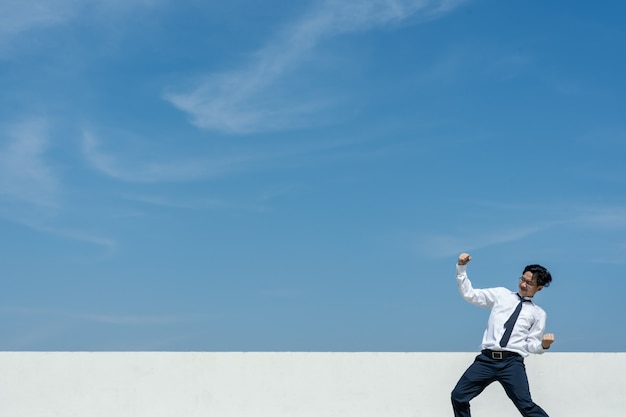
(499, 354)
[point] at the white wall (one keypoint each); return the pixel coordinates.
(219, 384)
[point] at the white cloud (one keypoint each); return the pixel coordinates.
(606, 218)
(569, 217)
(29, 187)
(253, 99)
(177, 203)
(120, 319)
(34, 335)
(442, 246)
(188, 169)
(25, 176)
(128, 163)
(279, 293)
(18, 17)
(77, 235)
(135, 320)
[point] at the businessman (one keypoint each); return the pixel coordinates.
(515, 329)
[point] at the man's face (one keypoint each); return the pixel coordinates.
(528, 285)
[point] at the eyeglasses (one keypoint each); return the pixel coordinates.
(528, 282)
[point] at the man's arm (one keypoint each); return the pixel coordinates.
(537, 341)
(482, 298)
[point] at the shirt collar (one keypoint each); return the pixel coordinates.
(524, 298)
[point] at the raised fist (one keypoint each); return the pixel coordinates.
(464, 258)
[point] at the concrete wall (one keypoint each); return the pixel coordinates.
(158, 384)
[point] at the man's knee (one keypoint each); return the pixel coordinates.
(459, 400)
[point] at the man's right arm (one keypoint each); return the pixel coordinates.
(481, 298)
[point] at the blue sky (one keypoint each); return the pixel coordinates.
(301, 175)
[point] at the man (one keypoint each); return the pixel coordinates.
(508, 339)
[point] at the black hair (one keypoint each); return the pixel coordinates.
(540, 273)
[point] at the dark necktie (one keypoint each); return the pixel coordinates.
(510, 323)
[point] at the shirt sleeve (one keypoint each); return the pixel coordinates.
(535, 335)
(480, 297)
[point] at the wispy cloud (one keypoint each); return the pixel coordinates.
(258, 203)
(565, 216)
(441, 246)
(30, 188)
(25, 177)
(137, 320)
(34, 335)
(106, 243)
(607, 218)
(188, 169)
(281, 293)
(116, 319)
(136, 165)
(178, 203)
(50, 325)
(254, 98)
(18, 17)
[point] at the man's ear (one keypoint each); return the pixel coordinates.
(540, 288)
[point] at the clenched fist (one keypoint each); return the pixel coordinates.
(464, 258)
(548, 339)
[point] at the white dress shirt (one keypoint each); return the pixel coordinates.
(529, 327)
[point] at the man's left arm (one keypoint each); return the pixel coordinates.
(538, 342)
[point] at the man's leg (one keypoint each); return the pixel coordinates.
(515, 382)
(475, 379)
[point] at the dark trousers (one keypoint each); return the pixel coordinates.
(510, 372)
